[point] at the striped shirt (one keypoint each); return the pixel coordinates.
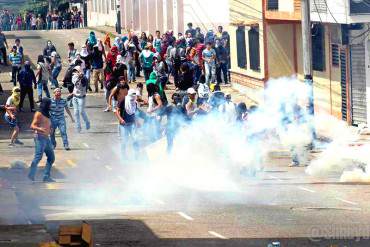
(15, 59)
(57, 109)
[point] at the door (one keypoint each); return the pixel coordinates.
(358, 84)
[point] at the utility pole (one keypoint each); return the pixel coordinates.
(85, 12)
(307, 51)
(307, 59)
(118, 26)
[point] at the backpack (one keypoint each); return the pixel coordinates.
(67, 80)
(112, 83)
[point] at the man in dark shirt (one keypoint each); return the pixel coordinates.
(190, 30)
(26, 80)
(222, 58)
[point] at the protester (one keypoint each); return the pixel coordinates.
(10, 116)
(71, 52)
(16, 61)
(222, 58)
(41, 125)
(27, 80)
(79, 97)
(42, 77)
(209, 56)
(49, 48)
(97, 64)
(56, 65)
(58, 105)
(3, 48)
(146, 59)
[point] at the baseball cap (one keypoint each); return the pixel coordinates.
(191, 91)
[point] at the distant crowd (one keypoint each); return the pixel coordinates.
(71, 18)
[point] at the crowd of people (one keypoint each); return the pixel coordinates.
(68, 19)
(194, 62)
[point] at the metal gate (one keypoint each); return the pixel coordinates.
(343, 82)
(358, 84)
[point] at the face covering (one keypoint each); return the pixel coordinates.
(45, 107)
(16, 96)
(130, 102)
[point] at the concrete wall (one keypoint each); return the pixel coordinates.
(241, 14)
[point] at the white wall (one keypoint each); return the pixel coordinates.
(338, 12)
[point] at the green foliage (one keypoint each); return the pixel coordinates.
(40, 6)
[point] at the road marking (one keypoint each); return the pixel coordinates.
(305, 189)
(71, 163)
(85, 144)
(346, 201)
(276, 178)
(108, 168)
(217, 235)
(185, 216)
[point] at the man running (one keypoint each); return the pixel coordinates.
(58, 105)
(11, 115)
(41, 125)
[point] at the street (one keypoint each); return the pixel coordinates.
(131, 205)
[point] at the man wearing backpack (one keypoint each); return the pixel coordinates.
(42, 75)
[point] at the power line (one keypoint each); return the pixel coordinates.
(317, 10)
(330, 11)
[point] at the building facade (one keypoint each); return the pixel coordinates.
(163, 15)
(340, 33)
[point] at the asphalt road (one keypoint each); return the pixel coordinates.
(135, 204)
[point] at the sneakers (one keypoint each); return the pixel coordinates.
(107, 109)
(294, 164)
(48, 180)
(18, 142)
(67, 148)
(32, 178)
(11, 145)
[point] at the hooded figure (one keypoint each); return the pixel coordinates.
(130, 102)
(92, 39)
(112, 56)
(16, 96)
(153, 80)
(45, 107)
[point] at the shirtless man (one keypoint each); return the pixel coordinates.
(41, 125)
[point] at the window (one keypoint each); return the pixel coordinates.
(241, 47)
(359, 7)
(254, 49)
(318, 47)
(335, 55)
(272, 4)
(112, 4)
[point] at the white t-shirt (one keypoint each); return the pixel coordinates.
(9, 102)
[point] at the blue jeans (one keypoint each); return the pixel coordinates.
(42, 145)
(128, 137)
(61, 124)
(79, 109)
(131, 73)
(42, 85)
(54, 75)
(210, 74)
